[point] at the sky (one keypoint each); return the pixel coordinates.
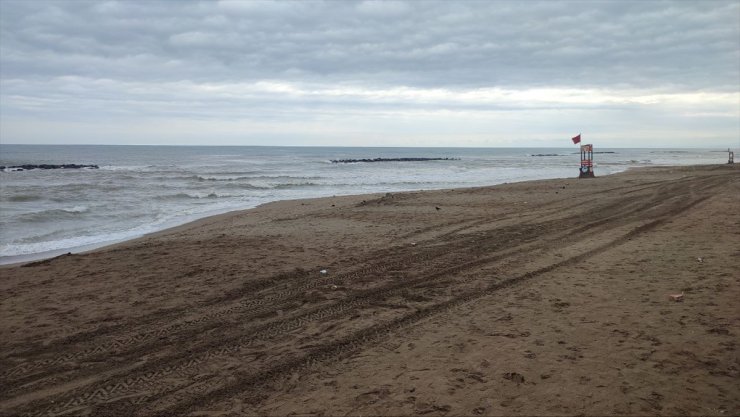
(371, 73)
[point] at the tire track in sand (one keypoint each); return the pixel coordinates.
(100, 394)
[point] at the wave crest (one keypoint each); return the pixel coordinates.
(54, 214)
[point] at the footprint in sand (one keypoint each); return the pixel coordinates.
(514, 377)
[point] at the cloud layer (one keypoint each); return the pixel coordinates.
(360, 73)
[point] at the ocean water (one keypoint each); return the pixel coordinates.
(143, 189)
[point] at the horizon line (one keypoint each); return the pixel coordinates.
(345, 146)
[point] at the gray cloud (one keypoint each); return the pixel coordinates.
(644, 44)
(252, 60)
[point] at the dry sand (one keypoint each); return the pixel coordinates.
(538, 298)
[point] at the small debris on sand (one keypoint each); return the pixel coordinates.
(676, 297)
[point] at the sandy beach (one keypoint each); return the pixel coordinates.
(538, 298)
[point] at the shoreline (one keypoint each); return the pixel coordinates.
(547, 297)
(16, 260)
(123, 225)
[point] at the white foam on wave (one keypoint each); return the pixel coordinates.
(12, 250)
(77, 209)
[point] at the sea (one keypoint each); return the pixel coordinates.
(143, 189)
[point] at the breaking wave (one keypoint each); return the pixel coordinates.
(54, 214)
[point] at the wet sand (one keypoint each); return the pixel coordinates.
(538, 298)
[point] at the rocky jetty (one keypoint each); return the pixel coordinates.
(349, 161)
(27, 167)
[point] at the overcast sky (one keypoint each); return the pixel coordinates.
(526, 73)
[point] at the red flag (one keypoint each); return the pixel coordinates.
(577, 139)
